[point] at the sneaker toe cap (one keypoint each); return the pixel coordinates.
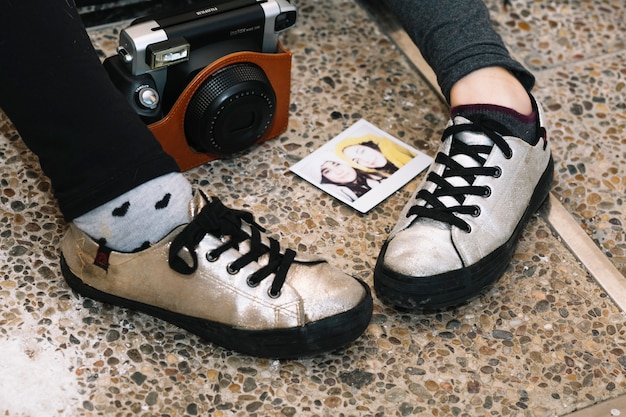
(422, 250)
(326, 291)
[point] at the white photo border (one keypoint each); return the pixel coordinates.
(306, 168)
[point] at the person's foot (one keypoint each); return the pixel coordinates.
(221, 278)
(458, 232)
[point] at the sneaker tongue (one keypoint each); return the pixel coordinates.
(198, 201)
(469, 138)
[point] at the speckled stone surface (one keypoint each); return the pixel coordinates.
(546, 340)
(577, 50)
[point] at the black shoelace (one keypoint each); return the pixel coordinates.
(434, 208)
(223, 222)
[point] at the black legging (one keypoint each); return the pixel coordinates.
(90, 142)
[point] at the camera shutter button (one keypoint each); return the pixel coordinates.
(147, 97)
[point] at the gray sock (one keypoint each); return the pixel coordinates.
(140, 217)
(522, 126)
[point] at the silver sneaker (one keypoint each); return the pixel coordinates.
(223, 279)
(458, 232)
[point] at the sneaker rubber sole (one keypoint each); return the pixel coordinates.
(306, 341)
(455, 288)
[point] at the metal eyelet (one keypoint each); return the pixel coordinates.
(487, 192)
(476, 212)
(468, 228)
(270, 294)
(497, 172)
(231, 270)
(250, 283)
(211, 258)
(509, 156)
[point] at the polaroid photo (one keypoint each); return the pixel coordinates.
(362, 166)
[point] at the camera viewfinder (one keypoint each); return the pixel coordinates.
(169, 52)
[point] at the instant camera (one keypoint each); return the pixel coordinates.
(210, 80)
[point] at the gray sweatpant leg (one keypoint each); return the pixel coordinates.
(456, 37)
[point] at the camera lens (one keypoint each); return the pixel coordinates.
(231, 110)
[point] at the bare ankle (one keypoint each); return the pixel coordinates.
(491, 85)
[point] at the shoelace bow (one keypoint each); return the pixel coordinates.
(434, 208)
(221, 221)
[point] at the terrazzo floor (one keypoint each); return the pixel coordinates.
(546, 340)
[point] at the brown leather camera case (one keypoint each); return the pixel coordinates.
(170, 130)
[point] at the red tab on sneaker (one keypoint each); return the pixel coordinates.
(102, 257)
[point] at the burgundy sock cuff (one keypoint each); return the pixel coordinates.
(482, 108)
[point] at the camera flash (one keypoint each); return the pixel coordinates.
(167, 53)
